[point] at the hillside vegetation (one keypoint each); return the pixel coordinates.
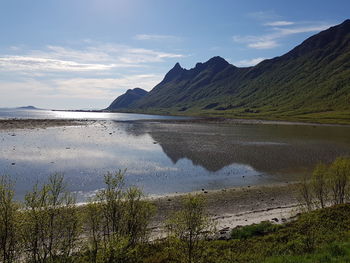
(125, 100)
(309, 83)
(114, 226)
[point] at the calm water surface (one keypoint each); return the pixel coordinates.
(50, 114)
(167, 157)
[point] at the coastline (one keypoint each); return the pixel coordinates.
(21, 123)
(14, 124)
(236, 206)
(298, 119)
(219, 120)
(231, 207)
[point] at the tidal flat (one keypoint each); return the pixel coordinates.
(165, 157)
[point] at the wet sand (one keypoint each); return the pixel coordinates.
(9, 124)
(12, 124)
(234, 207)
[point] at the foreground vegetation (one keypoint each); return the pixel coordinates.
(49, 227)
(115, 226)
(328, 185)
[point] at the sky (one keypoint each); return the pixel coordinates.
(82, 54)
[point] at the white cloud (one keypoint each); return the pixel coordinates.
(87, 54)
(94, 73)
(249, 62)
(153, 37)
(27, 63)
(26, 87)
(245, 39)
(257, 42)
(112, 53)
(82, 88)
(104, 88)
(141, 55)
(102, 57)
(270, 40)
(279, 23)
(296, 30)
(263, 44)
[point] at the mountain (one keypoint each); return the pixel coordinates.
(27, 108)
(310, 82)
(127, 99)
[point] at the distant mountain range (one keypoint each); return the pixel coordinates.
(22, 108)
(310, 82)
(28, 108)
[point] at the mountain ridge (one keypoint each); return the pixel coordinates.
(310, 81)
(128, 98)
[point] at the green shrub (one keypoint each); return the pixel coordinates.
(260, 229)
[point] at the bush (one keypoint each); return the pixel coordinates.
(117, 221)
(50, 222)
(328, 185)
(249, 231)
(339, 180)
(8, 222)
(189, 227)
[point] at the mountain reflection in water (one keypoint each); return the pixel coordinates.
(266, 148)
(171, 156)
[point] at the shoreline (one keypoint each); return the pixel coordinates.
(218, 120)
(230, 207)
(15, 124)
(300, 121)
(21, 123)
(235, 206)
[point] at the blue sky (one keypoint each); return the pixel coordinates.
(73, 54)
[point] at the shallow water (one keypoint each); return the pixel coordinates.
(50, 114)
(168, 157)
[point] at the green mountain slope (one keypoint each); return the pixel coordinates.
(125, 100)
(311, 82)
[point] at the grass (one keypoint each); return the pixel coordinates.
(337, 252)
(339, 117)
(318, 236)
(249, 231)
